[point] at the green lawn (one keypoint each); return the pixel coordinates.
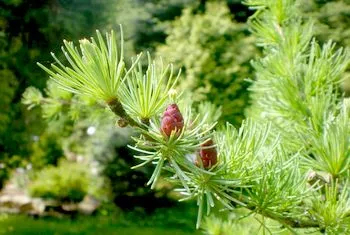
(24, 225)
(167, 221)
(176, 221)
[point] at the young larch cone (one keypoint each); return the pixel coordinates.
(172, 120)
(208, 154)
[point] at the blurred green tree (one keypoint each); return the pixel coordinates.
(29, 30)
(214, 53)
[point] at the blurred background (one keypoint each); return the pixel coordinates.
(65, 169)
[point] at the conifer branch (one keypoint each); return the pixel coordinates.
(299, 122)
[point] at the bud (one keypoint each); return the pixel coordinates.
(172, 120)
(208, 154)
(172, 94)
(122, 122)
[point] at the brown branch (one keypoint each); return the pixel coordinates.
(118, 109)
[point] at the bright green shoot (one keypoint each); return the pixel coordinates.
(95, 68)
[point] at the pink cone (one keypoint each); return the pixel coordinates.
(172, 120)
(208, 155)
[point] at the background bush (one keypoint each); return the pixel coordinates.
(67, 182)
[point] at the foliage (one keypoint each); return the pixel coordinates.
(289, 162)
(147, 21)
(66, 182)
(95, 60)
(214, 52)
(332, 19)
(332, 22)
(94, 139)
(317, 111)
(298, 80)
(237, 222)
(8, 86)
(127, 185)
(28, 31)
(4, 174)
(6, 164)
(46, 151)
(215, 225)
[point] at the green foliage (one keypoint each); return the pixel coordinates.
(8, 85)
(98, 67)
(147, 21)
(237, 222)
(214, 225)
(332, 22)
(297, 91)
(28, 31)
(6, 164)
(332, 208)
(66, 182)
(299, 81)
(214, 52)
(59, 107)
(127, 186)
(271, 165)
(93, 136)
(144, 94)
(46, 151)
(4, 174)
